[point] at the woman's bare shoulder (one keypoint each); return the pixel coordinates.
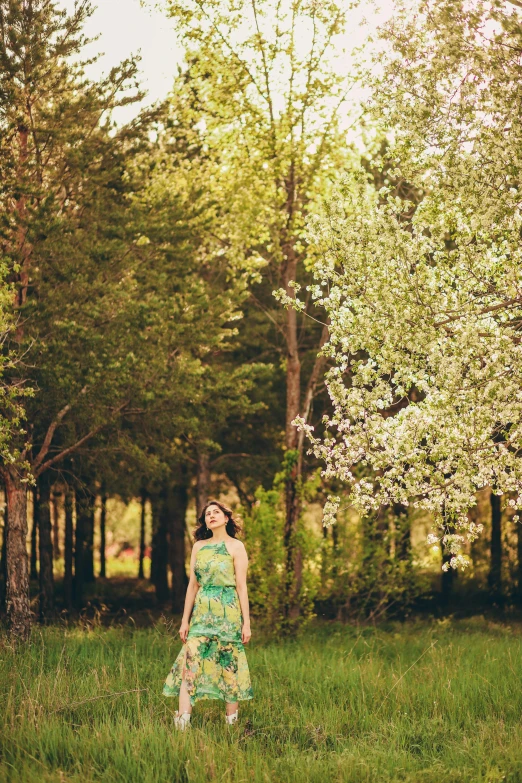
(236, 545)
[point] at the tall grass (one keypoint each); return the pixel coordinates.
(417, 702)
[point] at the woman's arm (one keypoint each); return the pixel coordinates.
(192, 589)
(241, 567)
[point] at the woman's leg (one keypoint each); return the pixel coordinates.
(231, 707)
(184, 698)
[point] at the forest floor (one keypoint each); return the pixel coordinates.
(421, 702)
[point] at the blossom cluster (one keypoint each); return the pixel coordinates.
(424, 300)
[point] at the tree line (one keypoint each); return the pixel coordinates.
(143, 349)
(131, 252)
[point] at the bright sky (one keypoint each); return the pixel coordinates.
(126, 27)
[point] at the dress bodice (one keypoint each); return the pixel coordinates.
(215, 566)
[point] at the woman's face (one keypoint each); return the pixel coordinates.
(215, 517)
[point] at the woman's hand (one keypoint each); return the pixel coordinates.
(245, 633)
(183, 631)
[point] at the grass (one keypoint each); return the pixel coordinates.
(419, 702)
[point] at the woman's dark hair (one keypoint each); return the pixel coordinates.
(233, 526)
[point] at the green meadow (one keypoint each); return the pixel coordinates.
(421, 702)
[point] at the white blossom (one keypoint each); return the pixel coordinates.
(425, 312)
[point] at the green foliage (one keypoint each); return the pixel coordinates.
(262, 86)
(63, 225)
(264, 540)
(127, 300)
(370, 568)
(266, 571)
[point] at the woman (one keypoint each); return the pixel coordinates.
(212, 663)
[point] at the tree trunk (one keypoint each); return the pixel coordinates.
(141, 573)
(495, 571)
(34, 536)
(178, 502)
(3, 559)
(83, 521)
(519, 561)
(56, 525)
(68, 549)
(476, 546)
(325, 557)
(103, 520)
(88, 551)
(160, 549)
(45, 549)
(17, 565)
(447, 577)
(203, 481)
(335, 549)
(292, 443)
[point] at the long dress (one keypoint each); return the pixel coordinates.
(213, 661)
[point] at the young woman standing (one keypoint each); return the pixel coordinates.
(215, 626)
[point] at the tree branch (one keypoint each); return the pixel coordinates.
(78, 443)
(517, 300)
(50, 433)
(224, 456)
(320, 361)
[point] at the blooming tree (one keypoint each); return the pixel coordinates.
(425, 303)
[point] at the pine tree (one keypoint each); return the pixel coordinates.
(54, 145)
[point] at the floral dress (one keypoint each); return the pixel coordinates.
(213, 661)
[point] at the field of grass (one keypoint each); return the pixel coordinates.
(421, 702)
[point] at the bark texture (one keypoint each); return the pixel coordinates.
(68, 548)
(294, 559)
(3, 559)
(495, 571)
(83, 521)
(88, 552)
(55, 497)
(46, 605)
(160, 549)
(17, 562)
(141, 572)
(34, 537)
(519, 561)
(447, 577)
(103, 521)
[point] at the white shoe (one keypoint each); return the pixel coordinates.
(182, 722)
(230, 719)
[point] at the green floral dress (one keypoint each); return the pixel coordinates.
(213, 661)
